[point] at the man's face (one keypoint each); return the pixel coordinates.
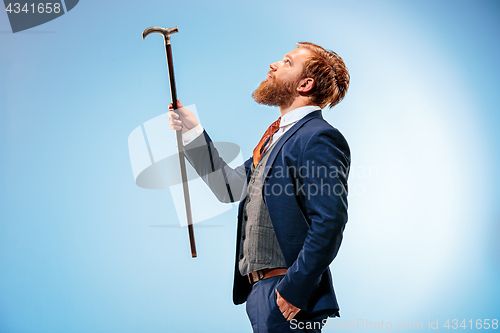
(280, 86)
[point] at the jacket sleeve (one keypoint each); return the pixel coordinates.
(225, 182)
(323, 197)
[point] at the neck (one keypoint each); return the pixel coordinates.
(297, 103)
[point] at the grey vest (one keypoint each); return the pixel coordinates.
(258, 245)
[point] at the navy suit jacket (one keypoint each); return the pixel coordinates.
(305, 191)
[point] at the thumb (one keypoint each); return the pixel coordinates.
(182, 110)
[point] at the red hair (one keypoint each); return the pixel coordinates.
(330, 74)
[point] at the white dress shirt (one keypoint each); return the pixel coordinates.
(287, 121)
(290, 118)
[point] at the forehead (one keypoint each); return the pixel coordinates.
(299, 55)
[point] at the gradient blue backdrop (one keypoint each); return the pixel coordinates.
(78, 252)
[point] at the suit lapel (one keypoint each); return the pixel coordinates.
(284, 138)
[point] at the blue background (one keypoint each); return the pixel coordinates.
(78, 252)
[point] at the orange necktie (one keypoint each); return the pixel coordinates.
(257, 152)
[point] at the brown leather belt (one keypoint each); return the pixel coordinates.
(265, 273)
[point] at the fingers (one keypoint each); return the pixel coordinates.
(289, 314)
(181, 117)
(180, 108)
(179, 105)
(287, 309)
(173, 115)
(174, 119)
(175, 124)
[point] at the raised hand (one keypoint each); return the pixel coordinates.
(185, 120)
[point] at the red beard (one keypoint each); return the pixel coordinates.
(275, 92)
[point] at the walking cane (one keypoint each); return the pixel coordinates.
(168, 49)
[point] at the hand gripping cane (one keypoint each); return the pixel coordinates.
(180, 148)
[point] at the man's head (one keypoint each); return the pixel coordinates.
(309, 72)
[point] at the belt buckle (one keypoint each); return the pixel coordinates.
(255, 275)
(250, 278)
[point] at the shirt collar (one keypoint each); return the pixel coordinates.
(297, 114)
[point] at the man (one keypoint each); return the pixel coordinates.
(293, 193)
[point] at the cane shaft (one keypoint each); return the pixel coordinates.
(170, 65)
(180, 150)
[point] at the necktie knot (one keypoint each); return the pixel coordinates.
(257, 152)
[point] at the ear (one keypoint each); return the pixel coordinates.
(305, 85)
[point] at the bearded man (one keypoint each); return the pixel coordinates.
(292, 193)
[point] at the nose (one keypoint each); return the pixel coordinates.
(273, 66)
